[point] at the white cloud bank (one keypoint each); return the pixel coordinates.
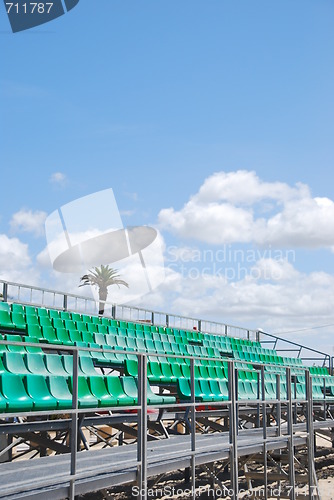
(238, 207)
(29, 221)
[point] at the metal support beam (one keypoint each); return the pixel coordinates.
(292, 493)
(142, 428)
(233, 429)
(74, 423)
(193, 430)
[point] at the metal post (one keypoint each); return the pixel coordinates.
(167, 320)
(74, 422)
(193, 429)
(233, 429)
(264, 430)
(5, 292)
(292, 493)
(152, 318)
(142, 427)
(65, 302)
(199, 325)
(310, 433)
(113, 311)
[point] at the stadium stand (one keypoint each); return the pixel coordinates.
(58, 362)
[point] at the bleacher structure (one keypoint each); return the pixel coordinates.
(91, 403)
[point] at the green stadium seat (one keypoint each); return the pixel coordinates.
(87, 366)
(76, 317)
(92, 327)
(53, 313)
(14, 363)
(116, 390)
(98, 388)
(35, 331)
(58, 323)
(13, 390)
(184, 391)
(55, 365)
(37, 389)
(65, 315)
(49, 335)
(63, 336)
(15, 348)
(85, 397)
(59, 389)
(219, 389)
(36, 364)
(13, 308)
(44, 321)
(30, 310)
(18, 320)
(96, 320)
(5, 320)
(42, 312)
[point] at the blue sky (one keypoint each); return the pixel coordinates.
(152, 99)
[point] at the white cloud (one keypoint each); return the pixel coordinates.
(58, 178)
(15, 262)
(29, 221)
(240, 207)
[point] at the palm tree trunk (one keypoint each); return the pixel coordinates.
(103, 293)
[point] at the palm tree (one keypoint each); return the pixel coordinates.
(102, 277)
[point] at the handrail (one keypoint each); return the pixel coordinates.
(72, 302)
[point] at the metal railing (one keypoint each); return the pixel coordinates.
(42, 297)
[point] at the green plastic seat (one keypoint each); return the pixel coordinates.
(54, 365)
(30, 310)
(75, 336)
(35, 331)
(32, 319)
(87, 365)
(63, 336)
(5, 320)
(131, 368)
(49, 335)
(54, 313)
(91, 327)
(86, 318)
(68, 365)
(85, 397)
(44, 321)
(58, 323)
(98, 388)
(66, 315)
(42, 312)
(38, 390)
(58, 388)
(14, 363)
(13, 308)
(87, 337)
(36, 364)
(96, 320)
(70, 325)
(102, 329)
(76, 317)
(19, 320)
(13, 390)
(116, 390)
(219, 389)
(166, 371)
(184, 391)
(15, 348)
